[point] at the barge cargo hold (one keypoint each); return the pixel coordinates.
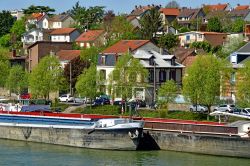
(114, 134)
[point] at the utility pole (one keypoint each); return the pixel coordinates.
(70, 79)
(154, 93)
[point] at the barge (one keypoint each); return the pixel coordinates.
(111, 133)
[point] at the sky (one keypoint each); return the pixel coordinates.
(118, 6)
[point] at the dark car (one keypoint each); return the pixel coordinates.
(141, 103)
(101, 101)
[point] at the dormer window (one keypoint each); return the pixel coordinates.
(103, 59)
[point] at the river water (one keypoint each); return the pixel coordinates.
(18, 153)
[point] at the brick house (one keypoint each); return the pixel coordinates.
(40, 49)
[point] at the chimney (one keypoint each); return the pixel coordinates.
(238, 4)
(135, 6)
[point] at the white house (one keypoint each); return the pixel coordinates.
(61, 21)
(38, 20)
(64, 35)
(32, 36)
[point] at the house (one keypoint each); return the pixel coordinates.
(91, 38)
(165, 68)
(169, 15)
(134, 20)
(217, 7)
(242, 7)
(17, 14)
(65, 56)
(243, 14)
(38, 20)
(247, 31)
(35, 35)
(237, 59)
(148, 51)
(64, 35)
(185, 56)
(214, 38)
(39, 49)
(16, 59)
(187, 16)
(61, 21)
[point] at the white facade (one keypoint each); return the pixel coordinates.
(60, 38)
(17, 14)
(190, 37)
(32, 36)
(42, 23)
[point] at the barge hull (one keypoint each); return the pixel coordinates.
(116, 139)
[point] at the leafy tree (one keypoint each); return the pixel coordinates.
(17, 80)
(18, 29)
(233, 44)
(238, 25)
(150, 24)
(5, 40)
(121, 29)
(214, 25)
(4, 66)
(202, 45)
(196, 24)
(203, 80)
(173, 4)
(243, 85)
(168, 41)
(38, 9)
(77, 67)
(86, 84)
(167, 92)
(90, 54)
(6, 22)
(127, 74)
(45, 77)
(87, 17)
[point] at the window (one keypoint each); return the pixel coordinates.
(103, 59)
(200, 36)
(162, 75)
(103, 74)
(151, 75)
(233, 78)
(187, 37)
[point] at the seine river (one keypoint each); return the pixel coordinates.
(16, 153)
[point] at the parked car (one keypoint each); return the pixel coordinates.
(25, 96)
(80, 100)
(66, 98)
(245, 111)
(101, 101)
(225, 108)
(198, 108)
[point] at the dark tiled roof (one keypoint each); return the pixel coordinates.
(90, 35)
(59, 18)
(189, 13)
(239, 13)
(182, 53)
(245, 48)
(140, 10)
(123, 46)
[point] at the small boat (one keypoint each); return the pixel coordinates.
(112, 133)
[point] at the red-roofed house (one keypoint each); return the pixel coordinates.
(214, 38)
(65, 56)
(169, 15)
(39, 20)
(64, 35)
(217, 7)
(242, 7)
(91, 38)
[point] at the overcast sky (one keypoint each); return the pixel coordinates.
(118, 6)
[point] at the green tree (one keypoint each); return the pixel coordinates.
(17, 80)
(38, 9)
(45, 77)
(243, 85)
(6, 22)
(77, 67)
(121, 29)
(214, 25)
(86, 84)
(18, 29)
(167, 93)
(201, 85)
(150, 24)
(4, 66)
(5, 40)
(168, 41)
(202, 45)
(90, 54)
(173, 4)
(238, 25)
(127, 74)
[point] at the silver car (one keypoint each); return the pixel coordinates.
(225, 108)
(198, 108)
